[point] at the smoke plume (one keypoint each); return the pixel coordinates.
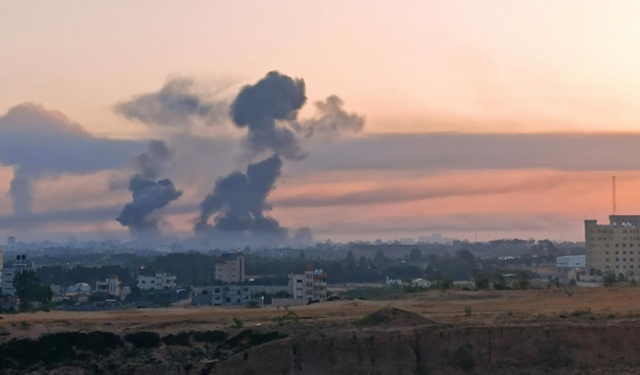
(152, 162)
(148, 197)
(41, 143)
(265, 109)
(331, 119)
(176, 104)
(239, 201)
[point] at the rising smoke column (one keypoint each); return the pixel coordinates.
(148, 195)
(239, 201)
(265, 109)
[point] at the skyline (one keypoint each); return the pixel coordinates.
(501, 118)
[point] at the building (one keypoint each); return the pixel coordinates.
(225, 295)
(230, 268)
(1, 266)
(159, 281)
(565, 263)
(613, 247)
(309, 286)
(11, 240)
(8, 274)
(110, 286)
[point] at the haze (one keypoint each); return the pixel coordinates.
(503, 118)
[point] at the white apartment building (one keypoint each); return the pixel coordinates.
(615, 246)
(159, 281)
(110, 286)
(230, 268)
(8, 274)
(309, 286)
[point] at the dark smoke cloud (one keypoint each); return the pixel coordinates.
(174, 105)
(37, 142)
(239, 201)
(265, 108)
(269, 109)
(148, 197)
(331, 119)
(152, 162)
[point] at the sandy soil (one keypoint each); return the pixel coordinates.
(487, 307)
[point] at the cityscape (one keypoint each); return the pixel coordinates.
(319, 188)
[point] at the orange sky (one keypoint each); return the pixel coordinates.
(494, 66)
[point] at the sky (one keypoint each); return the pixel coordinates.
(501, 118)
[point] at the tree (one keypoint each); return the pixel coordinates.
(415, 255)
(380, 257)
(446, 283)
(465, 255)
(523, 280)
(29, 289)
(499, 283)
(609, 278)
(481, 281)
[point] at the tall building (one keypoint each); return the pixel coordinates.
(309, 286)
(19, 265)
(615, 246)
(230, 268)
(11, 240)
(1, 266)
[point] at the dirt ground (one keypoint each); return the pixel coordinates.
(452, 307)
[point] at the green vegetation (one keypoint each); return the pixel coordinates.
(290, 317)
(31, 291)
(467, 311)
(179, 339)
(463, 358)
(211, 337)
(56, 348)
(237, 322)
(143, 339)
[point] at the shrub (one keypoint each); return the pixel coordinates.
(210, 336)
(463, 358)
(143, 339)
(237, 322)
(467, 311)
(179, 339)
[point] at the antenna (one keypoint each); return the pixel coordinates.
(614, 195)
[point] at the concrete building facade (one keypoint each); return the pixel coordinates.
(225, 295)
(309, 286)
(615, 246)
(110, 286)
(159, 281)
(230, 268)
(19, 265)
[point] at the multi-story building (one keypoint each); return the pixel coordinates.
(310, 286)
(19, 265)
(110, 286)
(1, 266)
(615, 246)
(230, 268)
(159, 281)
(222, 295)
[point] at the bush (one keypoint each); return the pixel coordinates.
(467, 311)
(144, 340)
(209, 336)
(463, 358)
(179, 339)
(237, 322)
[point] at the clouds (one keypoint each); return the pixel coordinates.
(175, 105)
(37, 142)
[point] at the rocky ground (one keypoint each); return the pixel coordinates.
(538, 331)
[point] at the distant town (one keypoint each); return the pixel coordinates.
(86, 276)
